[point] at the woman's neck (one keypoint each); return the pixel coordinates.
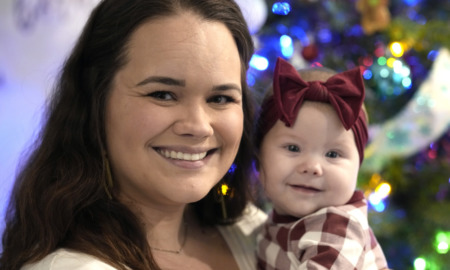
(165, 226)
(167, 233)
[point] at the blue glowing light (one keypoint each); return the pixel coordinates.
(287, 48)
(232, 168)
(300, 34)
(355, 31)
(281, 8)
(412, 14)
(411, 2)
(407, 83)
(420, 19)
(251, 80)
(432, 55)
(324, 35)
(367, 74)
(397, 78)
(287, 51)
(259, 62)
(377, 203)
(285, 41)
(380, 207)
(282, 29)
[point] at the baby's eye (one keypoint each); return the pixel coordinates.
(332, 154)
(221, 99)
(162, 95)
(293, 148)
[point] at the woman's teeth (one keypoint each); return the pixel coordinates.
(182, 156)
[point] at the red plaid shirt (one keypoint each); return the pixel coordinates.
(331, 238)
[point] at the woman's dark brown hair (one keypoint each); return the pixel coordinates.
(59, 199)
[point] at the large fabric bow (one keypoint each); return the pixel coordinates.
(344, 91)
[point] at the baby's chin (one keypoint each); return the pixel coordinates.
(296, 212)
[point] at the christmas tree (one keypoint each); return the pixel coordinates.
(403, 48)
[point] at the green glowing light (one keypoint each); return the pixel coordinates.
(442, 248)
(442, 241)
(382, 61)
(420, 264)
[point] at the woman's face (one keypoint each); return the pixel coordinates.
(174, 117)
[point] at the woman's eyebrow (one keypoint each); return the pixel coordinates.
(227, 86)
(178, 82)
(162, 80)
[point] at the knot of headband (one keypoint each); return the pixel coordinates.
(344, 91)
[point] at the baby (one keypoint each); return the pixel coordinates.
(310, 138)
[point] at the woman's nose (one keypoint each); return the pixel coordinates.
(310, 166)
(194, 121)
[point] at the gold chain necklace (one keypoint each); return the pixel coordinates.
(178, 251)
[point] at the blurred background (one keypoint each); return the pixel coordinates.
(403, 47)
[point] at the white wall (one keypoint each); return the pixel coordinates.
(30, 58)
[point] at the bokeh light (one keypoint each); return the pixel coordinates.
(420, 264)
(287, 46)
(442, 242)
(259, 62)
(281, 8)
(397, 49)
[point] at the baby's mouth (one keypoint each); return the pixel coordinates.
(181, 155)
(306, 188)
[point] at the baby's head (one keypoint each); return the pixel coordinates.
(280, 102)
(311, 135)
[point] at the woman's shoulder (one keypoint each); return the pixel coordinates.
(247, 226)
(241, 236)
(65, 259)
(251, 220)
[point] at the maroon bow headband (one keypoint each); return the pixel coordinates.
(344, 91)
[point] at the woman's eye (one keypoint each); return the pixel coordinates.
(221, 99)
(162, 95)
(332, 154)
(293, 148)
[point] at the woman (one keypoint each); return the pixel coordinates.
(132, 170)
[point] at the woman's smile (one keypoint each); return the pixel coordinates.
(180, 155)
(184, 158)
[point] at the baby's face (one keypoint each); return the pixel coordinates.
(311, 165)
